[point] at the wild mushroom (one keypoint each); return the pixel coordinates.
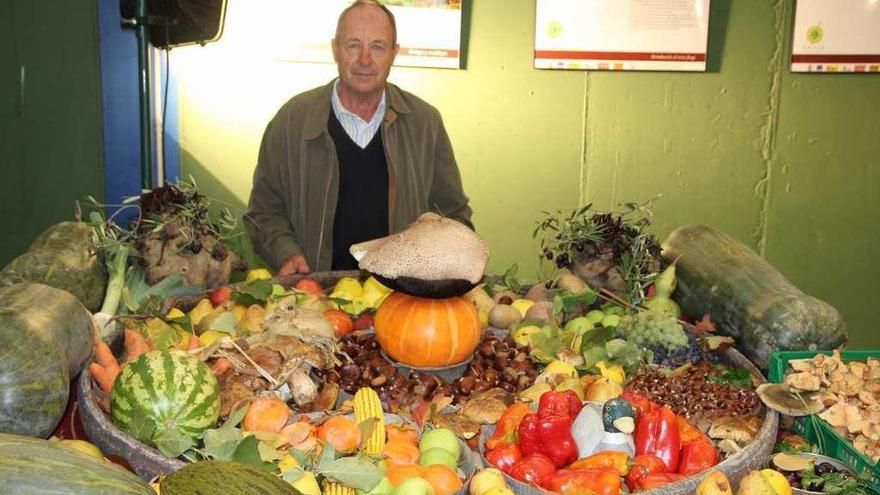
(803, 381)
(783, 399)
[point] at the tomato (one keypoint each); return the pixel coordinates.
(342, 324)
(220, 295)
(308, 285)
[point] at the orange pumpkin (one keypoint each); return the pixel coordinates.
(427, 332)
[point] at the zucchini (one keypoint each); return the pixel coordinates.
(746, 297)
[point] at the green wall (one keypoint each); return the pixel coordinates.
(50, 121)
(787, 163)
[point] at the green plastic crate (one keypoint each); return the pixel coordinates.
(829, 441)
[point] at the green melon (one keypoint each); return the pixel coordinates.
(173, 390)
(222, 478)
(31, 466)
(52, 315)
(62, 257)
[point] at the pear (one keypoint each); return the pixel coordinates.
(504, 316)
(201, 309)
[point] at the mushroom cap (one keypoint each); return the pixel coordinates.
(783, 399)
(433, 248)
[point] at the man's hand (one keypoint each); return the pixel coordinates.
(295, 264)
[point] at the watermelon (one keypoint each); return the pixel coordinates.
(163, 396)
(224, 477)
(62, 257)
(30, 466)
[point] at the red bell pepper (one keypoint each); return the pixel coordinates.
(641, 466)
(601, 481)
(548, 434)
(657, 434)
(533, 469)
(656, 480)
(506, 431)
(688, 432)
(504, 457)
(696, 457)
(566, 402)
(641, 404)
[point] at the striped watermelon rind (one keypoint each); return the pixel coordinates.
(173, 389)
(221, 477)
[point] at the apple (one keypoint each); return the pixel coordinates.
(220, 295)
(498, 490)
(383, 488)
(611, 321)
(486, 479)
(442, 438)
(413, 486)
(436, 455)
(309, 286)
(364, 321)
(595, 315)
(580, 325)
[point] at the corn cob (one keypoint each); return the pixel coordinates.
(367, 406)
(333, 488)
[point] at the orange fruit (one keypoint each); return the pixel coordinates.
(399, 451)
(266, 414)
(340, 321)
(398, 474)
(443, 479)
(395, 431)
(342, 433)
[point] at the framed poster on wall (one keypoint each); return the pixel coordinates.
(662, 35)
(838, 36)
(428, 31)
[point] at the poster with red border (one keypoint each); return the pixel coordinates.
(428, 31)
(660, 35)
(838, 36)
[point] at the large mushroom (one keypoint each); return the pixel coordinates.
(435, 257)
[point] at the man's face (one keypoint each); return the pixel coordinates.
(364, 50)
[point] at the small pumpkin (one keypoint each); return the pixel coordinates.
(427, 332)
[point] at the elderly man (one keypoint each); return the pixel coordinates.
(353, 160)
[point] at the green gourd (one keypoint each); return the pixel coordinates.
(31, 466)
(222, 478)
(746, 297)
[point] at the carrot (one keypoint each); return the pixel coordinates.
(135, 345)
(105, 368)
(220, 366)
(104, 376)
(104, 356)
(193, 342)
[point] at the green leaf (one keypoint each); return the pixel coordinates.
(267, 451)
(236, 417)
(183, 321)
(161, 334)
(221, 443)
(248, 452)
(141, 427)
(328, 455)
(293, 474)
(593, 355)
(171, 442)
(571, 301)
(225, 322)
(253, 292)
(356, 472)
(597, 337)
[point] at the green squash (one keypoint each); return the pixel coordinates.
(32, 466)
(52, 315)
(62, 257)
(746, 297)
(46, 337)
(222, 478)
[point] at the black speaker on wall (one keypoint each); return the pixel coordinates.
(179, 22)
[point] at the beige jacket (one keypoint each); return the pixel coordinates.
(293, 201)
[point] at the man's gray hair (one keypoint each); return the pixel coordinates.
(375, 3)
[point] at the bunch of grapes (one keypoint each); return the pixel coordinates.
(693, 353)
(647, 329)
